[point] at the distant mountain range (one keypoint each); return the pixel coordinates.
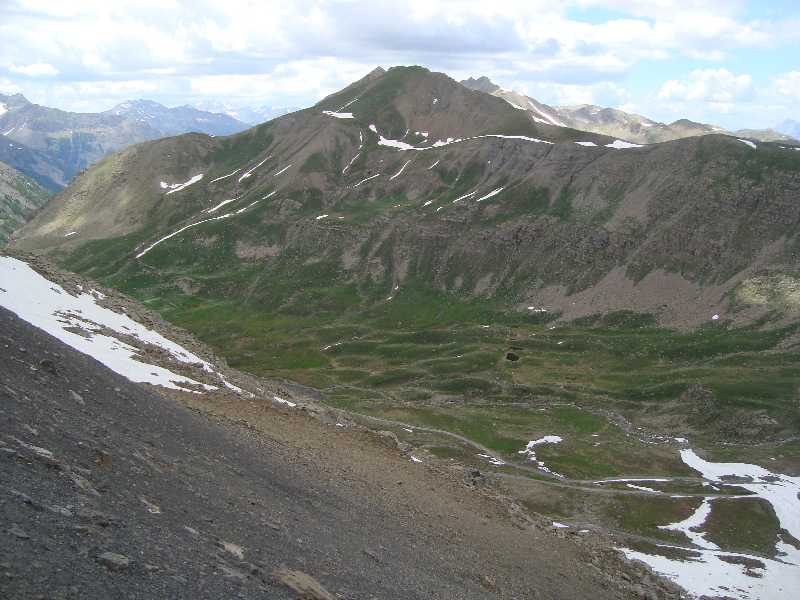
(252, 115)
(617, 123)
(51, 146)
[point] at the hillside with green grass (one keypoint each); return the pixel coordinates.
(20, 197)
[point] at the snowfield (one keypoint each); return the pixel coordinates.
(707, 570)
(99, 332)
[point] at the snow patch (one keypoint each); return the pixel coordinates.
(282, 401)
(748, 142)
(400, 171)
(231, 174)
(177, 187)
(220, 205)
(283, 170)
(367, 179)
(434, 164)
(620, 145)
(249, 172)
(490, 194)
(338, 115)
(320, 217)
(81, 323)
(586, 143)
(70, 234)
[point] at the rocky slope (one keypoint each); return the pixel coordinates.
(51, 145)
(19, 198)
(408, 178)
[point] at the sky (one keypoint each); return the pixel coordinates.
(733, 63)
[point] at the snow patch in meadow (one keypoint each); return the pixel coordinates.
(70, 234)
(320, 217)
(711, 571)
(403, 168)
(283, 170)
(231, 174)
(748, 142)
(177, 187)
(338, 115)
(220, 205)
(249, 172)
(282, 401)
(492, 460)
(366, 179)
(621, 145)
(81, 323)
(586, 143)
(490, 194)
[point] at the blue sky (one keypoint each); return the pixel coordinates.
(733, 63)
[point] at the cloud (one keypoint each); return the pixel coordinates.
(788, 84)
(34, 70)
(718, 86)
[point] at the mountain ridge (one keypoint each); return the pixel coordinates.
(51, 145)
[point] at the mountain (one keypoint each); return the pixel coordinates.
(597, 119)
(789, 127)
(174, 121)
(51, 146)
(252, 115)
(20, 197)
(560, 309)
(766, 135)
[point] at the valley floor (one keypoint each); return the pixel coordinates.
(110, 490)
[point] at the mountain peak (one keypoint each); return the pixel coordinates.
(481, 84)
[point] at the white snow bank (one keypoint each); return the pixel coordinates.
(749, 143)
(249, 172)
(231, 174)
(492, 460)
(403, 168)
(283, 170)
(586, 143)
(177, 187)
(490, 194)
(70, 234)
(319, 218)
(338, 115)
(620, 145)
(781, 491)
(220, 205)
(366, 179)
(81, 323)
(694, 521)
(434, 164)
(282, 401)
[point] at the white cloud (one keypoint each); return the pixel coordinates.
(718, 86)
(34, 69)
(788, 84)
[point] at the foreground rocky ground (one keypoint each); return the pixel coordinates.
(111, 490)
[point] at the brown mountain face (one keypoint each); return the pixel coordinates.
(407, 178)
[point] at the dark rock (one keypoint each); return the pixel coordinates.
(113, 561)
(512, 356)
